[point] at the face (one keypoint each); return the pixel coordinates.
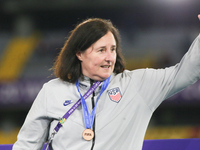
(99, 59)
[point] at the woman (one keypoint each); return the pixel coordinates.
(115, 115)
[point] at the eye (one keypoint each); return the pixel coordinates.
(113, 49)
(101, 50)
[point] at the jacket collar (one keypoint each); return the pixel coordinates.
(85, 84)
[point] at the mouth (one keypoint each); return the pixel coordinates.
(105, 66)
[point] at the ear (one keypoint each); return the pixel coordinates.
(79, 55)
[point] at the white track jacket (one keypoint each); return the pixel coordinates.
(123, 111)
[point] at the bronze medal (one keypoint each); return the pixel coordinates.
(88, 134)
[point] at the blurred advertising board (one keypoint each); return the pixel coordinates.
(24, 91)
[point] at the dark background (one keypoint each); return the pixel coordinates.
(155, 33)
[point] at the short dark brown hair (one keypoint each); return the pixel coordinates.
(67, 66)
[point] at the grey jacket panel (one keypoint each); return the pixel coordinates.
(121, 119)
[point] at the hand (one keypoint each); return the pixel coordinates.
(199, 16)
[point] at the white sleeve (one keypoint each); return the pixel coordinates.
(155, 85)
(34, 131)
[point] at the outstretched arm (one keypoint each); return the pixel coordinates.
(158, 84)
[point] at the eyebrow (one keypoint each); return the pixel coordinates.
(105, 46)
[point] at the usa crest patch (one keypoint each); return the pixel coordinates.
(115, 94)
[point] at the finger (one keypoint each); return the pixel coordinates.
(199, 16)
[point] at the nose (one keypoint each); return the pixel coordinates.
(110, 56)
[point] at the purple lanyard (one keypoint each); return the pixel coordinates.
(70, 111)
(73, 108)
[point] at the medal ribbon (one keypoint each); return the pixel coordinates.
(89, 118)
(73, 108)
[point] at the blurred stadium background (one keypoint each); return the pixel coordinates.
(155, 33)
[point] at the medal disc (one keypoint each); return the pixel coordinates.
(88, 134)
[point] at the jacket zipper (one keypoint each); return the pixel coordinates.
(93, 104)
